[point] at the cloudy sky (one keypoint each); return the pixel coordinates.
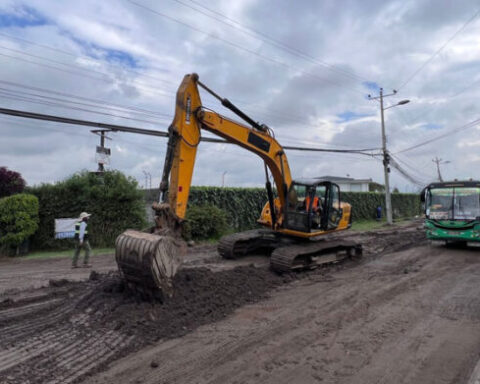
(304, 68)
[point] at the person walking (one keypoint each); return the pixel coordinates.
(81, 238)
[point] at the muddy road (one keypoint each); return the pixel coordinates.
(405, 313)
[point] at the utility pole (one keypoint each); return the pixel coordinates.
(438, 162)
(102, 152)
(223, 178)
(148, 179)
(386, 156)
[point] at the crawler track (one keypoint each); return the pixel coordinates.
(242, 243)
(312, 254)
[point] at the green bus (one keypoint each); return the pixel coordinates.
(452, 212)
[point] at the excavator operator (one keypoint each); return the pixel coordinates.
(315, 204)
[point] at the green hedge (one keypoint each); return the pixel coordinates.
(18, 221)
(114, 201)
(244, 205)
(364, 204)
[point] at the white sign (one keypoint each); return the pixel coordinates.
(65, 228)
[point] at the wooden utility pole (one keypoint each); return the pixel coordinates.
(102, 152)
(438, 161)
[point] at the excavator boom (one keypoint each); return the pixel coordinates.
(149, 261)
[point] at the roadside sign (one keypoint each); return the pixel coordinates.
(65, 228)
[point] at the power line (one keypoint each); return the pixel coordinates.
(109, 105)
(76, 73)
(44, 46)
(267, 39)
(150, 132)
(237, 46)
(63, 101)
(163, 93)
(88, 99)
(405, 174)
(31, 100)
(453, 132)
(412, 168)
(417, 174)
(89, 70)
(414, 74)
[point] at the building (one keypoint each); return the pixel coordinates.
(348, 184)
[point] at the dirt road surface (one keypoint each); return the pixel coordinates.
(409, 317)
(406, 313)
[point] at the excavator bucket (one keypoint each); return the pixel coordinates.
(148, 262)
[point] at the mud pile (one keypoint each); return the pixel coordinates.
(74, 329)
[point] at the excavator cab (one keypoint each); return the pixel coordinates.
(313, 206)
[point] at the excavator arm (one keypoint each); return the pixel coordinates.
(149, 261)
(185, 132)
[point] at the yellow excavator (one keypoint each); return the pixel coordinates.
(297, 213)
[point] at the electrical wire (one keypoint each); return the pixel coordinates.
(120, 128)
(414, 170)
(63, 101)
(76, 73)
(239, 47)
(429, 60)
(469, 125)
(88, 99)
(59, 105)
(44, 46)
(267, 39)
(405, 174)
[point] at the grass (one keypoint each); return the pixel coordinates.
(67, 253)
(369, 225)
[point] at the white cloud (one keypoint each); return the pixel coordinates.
(384, 42)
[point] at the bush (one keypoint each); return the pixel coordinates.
(11, 182)
(205, 222)
(18, 221)
(113, 199)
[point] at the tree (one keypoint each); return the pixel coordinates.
(114, 201)
(375, 187)
(18, 220)
(11, 182)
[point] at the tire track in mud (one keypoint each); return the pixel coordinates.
(74, 329)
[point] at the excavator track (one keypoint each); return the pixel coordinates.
(243, 243)
(310, 255)
(287, 254)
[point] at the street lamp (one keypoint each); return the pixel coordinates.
(386, 156)
(401, 102)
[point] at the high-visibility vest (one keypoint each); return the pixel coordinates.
(314, 204)
(77, 230)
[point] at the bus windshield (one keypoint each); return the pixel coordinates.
(458, 203)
